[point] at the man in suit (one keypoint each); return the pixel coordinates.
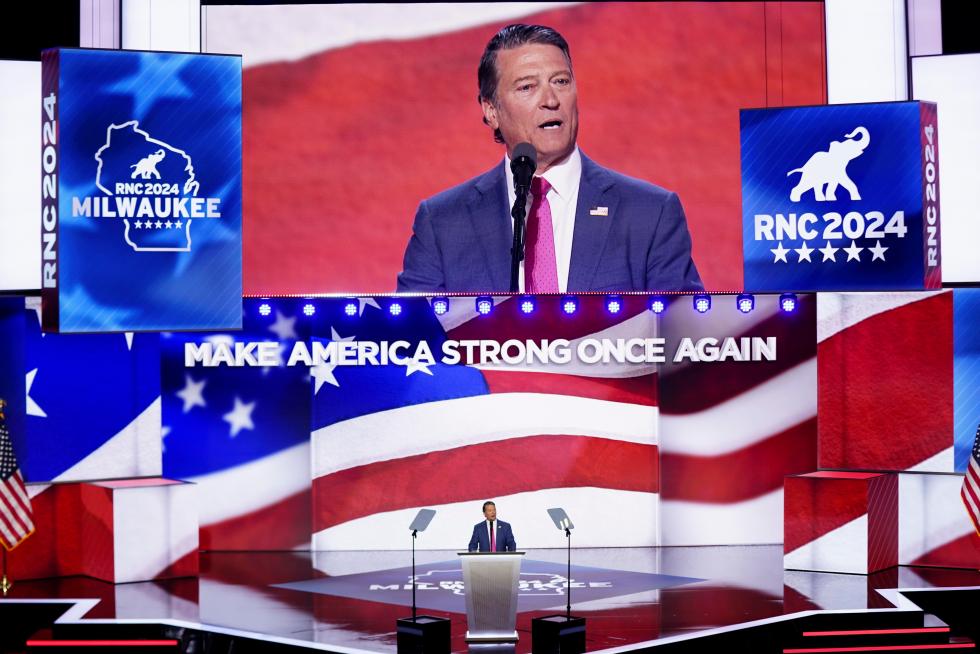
(588, 227)
(492, 535)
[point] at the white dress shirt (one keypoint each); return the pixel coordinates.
(564, 178)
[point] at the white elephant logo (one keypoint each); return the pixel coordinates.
(146, 167)
(826, 170)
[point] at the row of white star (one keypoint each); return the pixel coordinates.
(829, 252)
(149, 224)
(239, 418)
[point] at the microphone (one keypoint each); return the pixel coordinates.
(523, 164)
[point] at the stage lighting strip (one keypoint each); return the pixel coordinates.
(102, 643)
(872, 632)
(881, 648)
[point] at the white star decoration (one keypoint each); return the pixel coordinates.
(366, 302)
(417, 366)
(803, 252)
(193, 393)
(829, 253)
(323, 373)
(240, 417)
(877, 252)
(283, 327)
(853, 252)
(32, 408)
(34, 304)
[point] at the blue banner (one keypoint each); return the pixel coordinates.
(142, 159)
(833, 197)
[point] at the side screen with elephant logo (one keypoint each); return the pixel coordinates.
(840, 197)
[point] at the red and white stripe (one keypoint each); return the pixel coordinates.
(731, 431)
(547, 435)
(16, 520)
(867, 345)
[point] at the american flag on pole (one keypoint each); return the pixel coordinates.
(971, 484)
(16, 521)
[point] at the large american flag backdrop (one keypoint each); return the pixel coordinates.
(348, 454)
(354, 113)
(342, 457)
(899, 382)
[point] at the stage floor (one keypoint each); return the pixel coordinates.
(352, 599)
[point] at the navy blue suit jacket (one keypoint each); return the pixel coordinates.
(462, 238)
(480, 541)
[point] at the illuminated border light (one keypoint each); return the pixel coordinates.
(614, 304)
(745, 302)
(350, 309)
(702, 303)
(569, 304)
(527, 305)
(657, 305)
(440, 305)
(787, 302)
(484, 305)
(265, 309)
(395, 308)
(309, 310)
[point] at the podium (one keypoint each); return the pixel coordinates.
(491, 580)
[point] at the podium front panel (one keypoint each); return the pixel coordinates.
(491, 581)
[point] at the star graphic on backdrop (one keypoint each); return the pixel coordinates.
(138, 224)
(366, 302)
(283, 327)
(803, 252)
(780, 253)
(164, 432)
(240, 417)
(877, 252)
(853, 252)
(829, 253)
(158, 224)
(192, 393)
(32, 408)
(158, 78)
(34, 304)
(322, 373)
(178, 224)
(169, 224)
(416, 365)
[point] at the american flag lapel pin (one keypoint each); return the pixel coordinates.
(599, 211)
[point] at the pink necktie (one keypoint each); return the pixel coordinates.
(493, 538)
(540, 268)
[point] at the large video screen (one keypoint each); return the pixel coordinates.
(354, 115)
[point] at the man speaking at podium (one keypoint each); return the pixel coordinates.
(492, 535)
(588, 228)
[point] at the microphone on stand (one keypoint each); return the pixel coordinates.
(523, 163)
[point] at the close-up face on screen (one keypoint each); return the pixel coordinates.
(370, 160)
